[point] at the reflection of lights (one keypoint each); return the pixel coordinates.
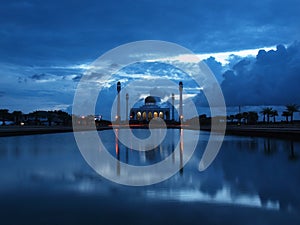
(117, 152)
(22, 124)
(117, 141)
(223, 196)
(181, 140)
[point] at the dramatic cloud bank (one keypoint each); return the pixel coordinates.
(272, 78)
(47, 45)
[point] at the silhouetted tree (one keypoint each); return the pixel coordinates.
(17, 117)
(3, 115)
(36, 117)
(50, 117)
(291, 109)
(286, 114)
(64, 116)
(231, 118)
(239, 116)
(267, 111)
(252, 117)
(264, 114)
(245, 116)
(274, 113)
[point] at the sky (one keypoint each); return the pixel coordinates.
(46, 46)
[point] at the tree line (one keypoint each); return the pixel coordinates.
(39, 117)
(269, 114)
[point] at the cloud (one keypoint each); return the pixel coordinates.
(42, 77)
(78, 32)
(40, 51)
(216, 67)
(272, 78)
(29, 88)
(77, 78)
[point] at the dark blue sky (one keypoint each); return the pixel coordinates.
(45, 44)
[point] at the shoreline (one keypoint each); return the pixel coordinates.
(286, 131)
(8, 131)
(289, 131)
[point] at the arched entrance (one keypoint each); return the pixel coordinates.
(150, 116)
(161, 115)
(144, 115)
(138, 115)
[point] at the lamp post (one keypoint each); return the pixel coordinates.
(118, 117)
(180, 102)
(173, 100)
(127, 97)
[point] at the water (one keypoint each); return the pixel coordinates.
(45, 180)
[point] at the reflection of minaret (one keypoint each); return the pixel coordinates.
(181, 152)
(118, 117)
(172, 147)
(127, 155)
(173, 98)
(117, 152)
(180, 102)
(127, 97)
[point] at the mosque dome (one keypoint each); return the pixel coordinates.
(150, 99)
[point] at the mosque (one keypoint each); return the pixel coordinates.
(152, 108)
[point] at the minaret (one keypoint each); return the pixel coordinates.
(127, 97)
(118, 117)
(180, 102)
(173, 98)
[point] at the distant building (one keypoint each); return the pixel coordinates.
(151, 109)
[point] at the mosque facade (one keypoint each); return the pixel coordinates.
(152, 108)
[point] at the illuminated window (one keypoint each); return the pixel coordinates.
(139, 115)
(161, 115)
(149, 115)
(144, 116)
(155, 114)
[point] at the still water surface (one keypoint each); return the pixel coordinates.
(45, 180)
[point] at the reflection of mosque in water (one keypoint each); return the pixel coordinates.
(155, 155)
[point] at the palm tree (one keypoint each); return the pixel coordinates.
(264, 114)
(274, 113)
(291, 109)
(267, 111)
(286, 114)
